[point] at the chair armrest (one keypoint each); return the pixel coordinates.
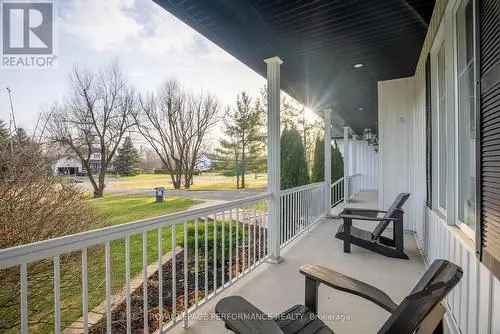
(240, 316)
(355, 210)
(375, 219)
(344, 283)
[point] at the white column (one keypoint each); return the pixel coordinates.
(273, 155)
(328, 160)
(346, 165)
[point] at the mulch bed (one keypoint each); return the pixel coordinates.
(119, 322)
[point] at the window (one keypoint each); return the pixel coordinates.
(466, 117)
(442, 125)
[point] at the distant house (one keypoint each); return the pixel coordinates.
(67, 166)
(204, 164)
(71, 165)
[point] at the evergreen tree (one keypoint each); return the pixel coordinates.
(241, 148)
(127, 158)
(21, 137)
(294, 171)
(337, 163)
(318, 171)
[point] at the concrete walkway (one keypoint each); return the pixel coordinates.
(274, 288)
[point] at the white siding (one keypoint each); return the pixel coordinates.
(474, 305)
(396, 99)
(365, 162)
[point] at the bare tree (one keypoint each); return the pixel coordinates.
(94, 119)
(175, 124)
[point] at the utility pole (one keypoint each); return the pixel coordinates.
(12, 121)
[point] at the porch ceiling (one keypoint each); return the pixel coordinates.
(319, 41)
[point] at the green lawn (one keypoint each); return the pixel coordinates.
(205, 181)
(119, 209)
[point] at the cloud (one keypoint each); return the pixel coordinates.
(101, 25)
(135, 26)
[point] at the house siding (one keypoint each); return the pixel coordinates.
(474, 305)
(396, 99)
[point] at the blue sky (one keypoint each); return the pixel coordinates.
(149, 43)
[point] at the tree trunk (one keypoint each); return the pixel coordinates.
(188, 181)
(178, 181)
(237, 176)
(243, 168)
(243, 179)
(99, 192)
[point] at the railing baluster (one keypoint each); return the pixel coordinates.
(230, 245)
(145, 280)
(237, 242)
(306, 209)
(296, 212)
(85, 292)
(260, 237)
(299, 222)
(24, 298)
(196, 262)
(186, 296)
(206, 258)
(249, 241)
(281, 227)
(254, 234)
(107, 261)
(301, 210)
(289, 217)
(294, 216)
(243, 243)
(160, 280)
(223, 259)
(127, 285)
(57, 295)
(174, 278)
(283, 219)
(215, 254)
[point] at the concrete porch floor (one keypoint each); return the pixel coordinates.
(274, 288)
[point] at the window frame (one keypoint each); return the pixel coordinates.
(439, 44)
(466, 229)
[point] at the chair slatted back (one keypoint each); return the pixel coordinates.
(396, 205)
(437, 282)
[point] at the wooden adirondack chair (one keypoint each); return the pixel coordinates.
(375, 241)
(420, 312)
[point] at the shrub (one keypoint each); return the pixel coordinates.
(294, 171)
(318, 171)
(35, 205)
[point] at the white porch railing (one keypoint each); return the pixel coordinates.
(337, 192)
(300, 207)
(219, 244)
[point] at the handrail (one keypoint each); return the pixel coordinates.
(337, 182)
(52, 247)
(301, 188)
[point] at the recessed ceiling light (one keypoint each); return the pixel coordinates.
(361, 108)
(359, 65)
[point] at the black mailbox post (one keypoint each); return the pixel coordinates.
(159, 194)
